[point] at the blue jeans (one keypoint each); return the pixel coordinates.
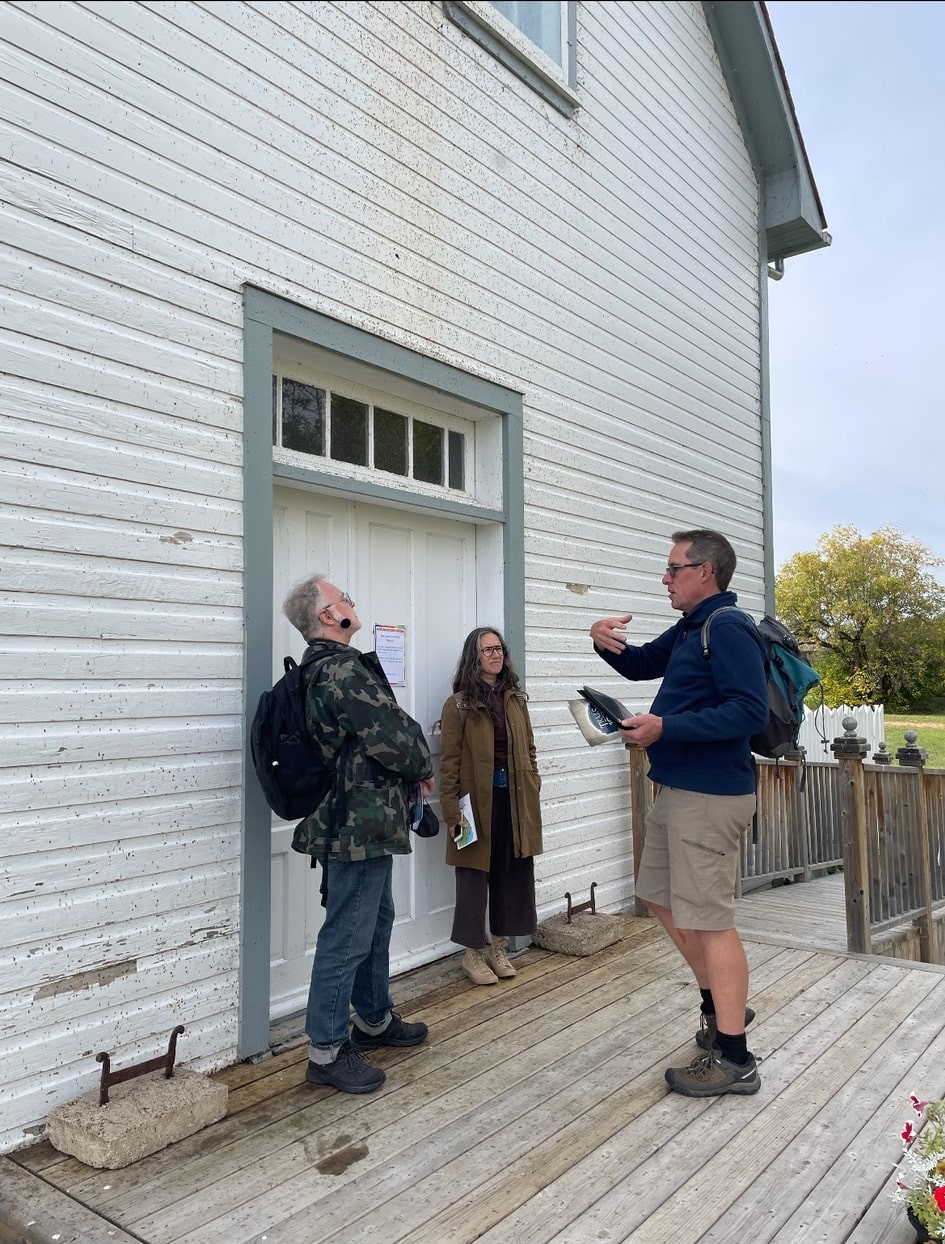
(351, 966)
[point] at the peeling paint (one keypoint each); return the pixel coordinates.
(179, 537)
(579, 589)
(95, 977)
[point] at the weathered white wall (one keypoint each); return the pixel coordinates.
(371, 162)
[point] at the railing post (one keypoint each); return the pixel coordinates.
(850, 751)
(914, 757)
(799, 806)
(638, 779)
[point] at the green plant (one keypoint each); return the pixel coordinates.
(924, 1193)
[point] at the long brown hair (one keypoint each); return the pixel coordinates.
(468, 677)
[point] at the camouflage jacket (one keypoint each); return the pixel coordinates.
(375, 749)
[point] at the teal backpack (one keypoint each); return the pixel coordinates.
(790, 676)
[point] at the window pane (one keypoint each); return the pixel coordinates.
(427, 452)
(457, 445)
(390, 441)
(538, 21)
(348, 430)
(303, 417)
(275, 404)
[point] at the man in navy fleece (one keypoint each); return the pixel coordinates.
(696, 735)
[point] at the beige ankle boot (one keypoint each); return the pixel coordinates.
(476, 968)
(497, 958)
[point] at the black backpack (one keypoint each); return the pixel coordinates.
(790, 677)
(290, 769)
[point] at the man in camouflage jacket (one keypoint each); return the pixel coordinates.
(379, 756)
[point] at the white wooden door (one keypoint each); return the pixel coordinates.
(400, 568)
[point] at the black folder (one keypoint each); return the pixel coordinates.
(610, 709)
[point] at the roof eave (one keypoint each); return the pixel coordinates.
(794, 218)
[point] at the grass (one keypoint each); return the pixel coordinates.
(930, 727)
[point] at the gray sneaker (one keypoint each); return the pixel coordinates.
(709, 1029)
(349, 1073)
(711, 1075)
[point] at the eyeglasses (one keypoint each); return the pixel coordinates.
(343, 599)
(492, 650)
(674, 568)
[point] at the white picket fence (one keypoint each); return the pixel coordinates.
(870, 725)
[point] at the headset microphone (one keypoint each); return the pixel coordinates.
(344, 623)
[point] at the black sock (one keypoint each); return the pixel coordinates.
(735, 1049)
(708, 1006)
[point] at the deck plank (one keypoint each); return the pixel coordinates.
(581, 1100)
(537, 1112)
(421, 1076)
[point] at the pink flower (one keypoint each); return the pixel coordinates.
(917, 1106)
(908, 1134)
(939, 1197)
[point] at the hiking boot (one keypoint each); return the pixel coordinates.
(497, 958)
(477, 969)
(711, 1075)
(397, 1032)
(349, 1073)
(709, 1029)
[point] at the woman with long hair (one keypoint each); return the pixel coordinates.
(488, 752)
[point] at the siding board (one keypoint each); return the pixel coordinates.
(369, 161)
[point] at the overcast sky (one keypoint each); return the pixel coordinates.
(858, 331)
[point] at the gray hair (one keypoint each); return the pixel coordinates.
(302, 604)
(710, 546)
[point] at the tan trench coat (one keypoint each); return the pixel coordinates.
(466, 765)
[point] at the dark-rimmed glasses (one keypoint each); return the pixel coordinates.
(674, 568)
(492, 650)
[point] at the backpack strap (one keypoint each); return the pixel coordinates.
(707, 625)
(460, 703)
(707, 653)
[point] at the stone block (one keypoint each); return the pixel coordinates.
(585, 935)
(140, 1117)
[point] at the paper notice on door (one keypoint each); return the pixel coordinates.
(390, 644)
(467, 823)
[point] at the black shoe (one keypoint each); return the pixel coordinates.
(709, 1029)
(397, 1033)
(349, 1073)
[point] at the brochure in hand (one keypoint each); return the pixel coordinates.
(467, 822)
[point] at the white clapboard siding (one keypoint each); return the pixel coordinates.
(370, 161)
(96, 954)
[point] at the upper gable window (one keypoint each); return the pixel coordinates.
(544, 24)
(533, 38)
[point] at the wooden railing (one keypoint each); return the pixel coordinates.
(883, 824)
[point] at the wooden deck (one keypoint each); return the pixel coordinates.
(537, 1112)
(810, 913)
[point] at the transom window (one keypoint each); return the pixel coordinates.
(327, 423)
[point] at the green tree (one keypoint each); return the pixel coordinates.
(872, 614)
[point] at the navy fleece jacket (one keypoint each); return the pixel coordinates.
(710, 708)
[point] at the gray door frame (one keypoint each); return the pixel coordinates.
(266, 317)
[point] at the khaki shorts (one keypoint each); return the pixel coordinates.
(691, 854)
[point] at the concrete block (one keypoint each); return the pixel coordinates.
(585, 935)
(140, 1117)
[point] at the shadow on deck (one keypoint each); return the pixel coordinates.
(537, 1112)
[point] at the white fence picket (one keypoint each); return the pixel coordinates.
(828, 722)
